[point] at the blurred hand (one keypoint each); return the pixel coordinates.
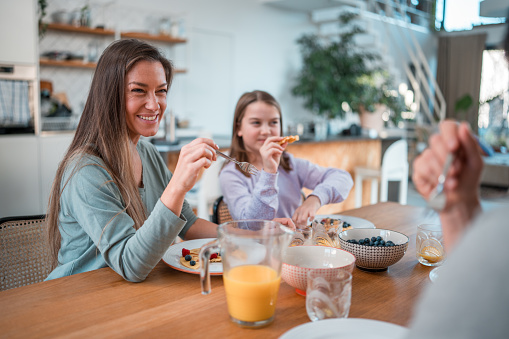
(462, 183)
(271, 153)
(463, 179)
(306, 211)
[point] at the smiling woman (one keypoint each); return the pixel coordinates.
(114, 202)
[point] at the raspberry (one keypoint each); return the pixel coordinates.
(213, 256)
(185, 252)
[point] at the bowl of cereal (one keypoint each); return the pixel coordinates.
(374, 249)
(299, 260)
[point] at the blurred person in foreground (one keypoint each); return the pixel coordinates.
(470, 298)
(114, 202)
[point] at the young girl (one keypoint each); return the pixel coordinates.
(276, 191)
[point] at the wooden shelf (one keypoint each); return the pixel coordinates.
(80, 64)
(67, 63)
(146, 36)
(80, 29)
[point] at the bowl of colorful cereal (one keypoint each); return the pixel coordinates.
(374, 249)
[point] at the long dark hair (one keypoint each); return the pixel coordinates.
(238, 150)
(103, 132)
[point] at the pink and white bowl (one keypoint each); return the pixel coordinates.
(299, 260)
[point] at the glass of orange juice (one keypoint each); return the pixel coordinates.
(429, 244)
(252, 256)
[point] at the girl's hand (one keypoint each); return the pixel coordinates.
(306, 210)
(193, 157)
(271, 153)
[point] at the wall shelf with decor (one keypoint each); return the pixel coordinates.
(79, 64)
(67, 63)
(68, 58)
(146, 36)
(80, 29)
(103, 32)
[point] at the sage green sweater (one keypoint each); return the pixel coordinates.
(96, 232)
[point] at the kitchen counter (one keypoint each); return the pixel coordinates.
(344, 152)
(224, 141)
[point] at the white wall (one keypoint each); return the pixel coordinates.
(233, 47)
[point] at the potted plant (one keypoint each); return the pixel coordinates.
(338, 71)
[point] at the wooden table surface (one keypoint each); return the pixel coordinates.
(169, 303)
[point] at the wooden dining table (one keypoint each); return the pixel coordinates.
(169, 302)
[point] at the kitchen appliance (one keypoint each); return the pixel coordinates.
(19, 99)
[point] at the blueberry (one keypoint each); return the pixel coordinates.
(379, 238)
(192, 263)
(382, 242)
(188, 257)
(373, 239)
(366, 240)
(389, 243)
(361, 242)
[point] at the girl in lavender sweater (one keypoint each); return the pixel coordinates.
(276, 191)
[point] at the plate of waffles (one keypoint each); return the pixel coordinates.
(175, 257)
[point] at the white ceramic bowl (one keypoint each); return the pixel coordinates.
(299, 260)
(376, 258)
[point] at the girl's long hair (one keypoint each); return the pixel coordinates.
(238, 150)
(102, 132)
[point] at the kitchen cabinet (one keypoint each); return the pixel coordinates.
(52, 149)
(20, 189)
(27, 168)
(18, 32)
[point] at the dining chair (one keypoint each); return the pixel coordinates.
(394, 168)
(220, 214)
(24, 254)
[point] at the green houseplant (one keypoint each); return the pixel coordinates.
(338, 71)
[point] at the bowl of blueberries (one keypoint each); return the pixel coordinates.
(374, 249)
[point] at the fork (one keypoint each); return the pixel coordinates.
(244, 166)
(437, 199)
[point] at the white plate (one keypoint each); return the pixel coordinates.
(348, 328)
(174, 253)
(354, 221)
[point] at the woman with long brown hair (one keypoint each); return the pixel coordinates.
(114, 202)
(276, 191)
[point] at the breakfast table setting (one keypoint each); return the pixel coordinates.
(175, 301)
